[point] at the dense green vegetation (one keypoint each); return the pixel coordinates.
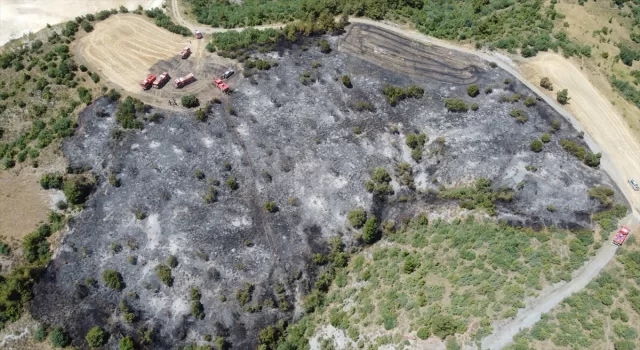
(394, 94)
(437, 278)
(479, 196)
(525, 25)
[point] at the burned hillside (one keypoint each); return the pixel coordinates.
(236, 205)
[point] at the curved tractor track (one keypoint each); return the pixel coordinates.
(552, 296)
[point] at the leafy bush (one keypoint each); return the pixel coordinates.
(189, 101)
(357, 217)
(536, 145)
(563, 96)
(395, 94)
(126, 343)
(546, 137)
(59, 338)
(456, 104)
(479, 196)
(113, 279)
(85, 95)
(473, 90)
(270, 207)
(530, 101)
(324, 46)
(96, 337)
(126, 114)
(77, 189)
(602, 194)
(546, 83)
(520, 115)
(232, 184)
(164, 274)
(379, 183)
(49, 181)
(346, 81)
(370, 230)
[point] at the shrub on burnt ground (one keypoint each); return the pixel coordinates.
(232, 183)
(456, 104)
(520, 115)
(473, 90)
(546, 137)
(395, 94)
(362, 105)
(96, 337)
(126, 343)
(589, 158)
(189, 101)
(416, 140)
(324, 46)
(346, 81)
(380, 182)
(530, 101)
(244, 295)
(126, 113)
(270, 207)
(197, 309)
(59, 338)
(603, 194)
(77, 189)
(536, 145)
(172, 261)
(479, 196)
(113, 279)
(201, 115)
(211, 196)
(51, 181)
(357, 217)
(475, 106)
(113, 95)
(164, 274)
(370, 230)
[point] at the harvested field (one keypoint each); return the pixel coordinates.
(125, 49)
(403, 55)
(24, 204)
(19, 17)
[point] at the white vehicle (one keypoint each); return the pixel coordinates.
(634, 185)
(227, 74)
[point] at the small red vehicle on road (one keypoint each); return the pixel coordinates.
(621, 236)
(198, 34)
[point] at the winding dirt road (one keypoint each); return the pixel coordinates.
(606, 132)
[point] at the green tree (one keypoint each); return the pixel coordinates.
(370, 230)
(113, 279)
(536, 145)
(357, 217)
(59, 338)
(126, 343)
(96, 337)
(473, 90)
(189, 101)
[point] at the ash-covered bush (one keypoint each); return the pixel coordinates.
(536, 145)
(164, 274)
(473, 90)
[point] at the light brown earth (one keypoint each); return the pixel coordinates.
(23, 203)
(19, 17)
(125, 49)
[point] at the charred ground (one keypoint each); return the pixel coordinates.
(306, 147)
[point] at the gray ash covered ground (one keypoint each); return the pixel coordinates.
(303, 137)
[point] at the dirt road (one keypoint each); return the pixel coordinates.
(19, 17)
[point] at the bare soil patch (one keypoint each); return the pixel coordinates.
(125, 49)
(23, 203)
